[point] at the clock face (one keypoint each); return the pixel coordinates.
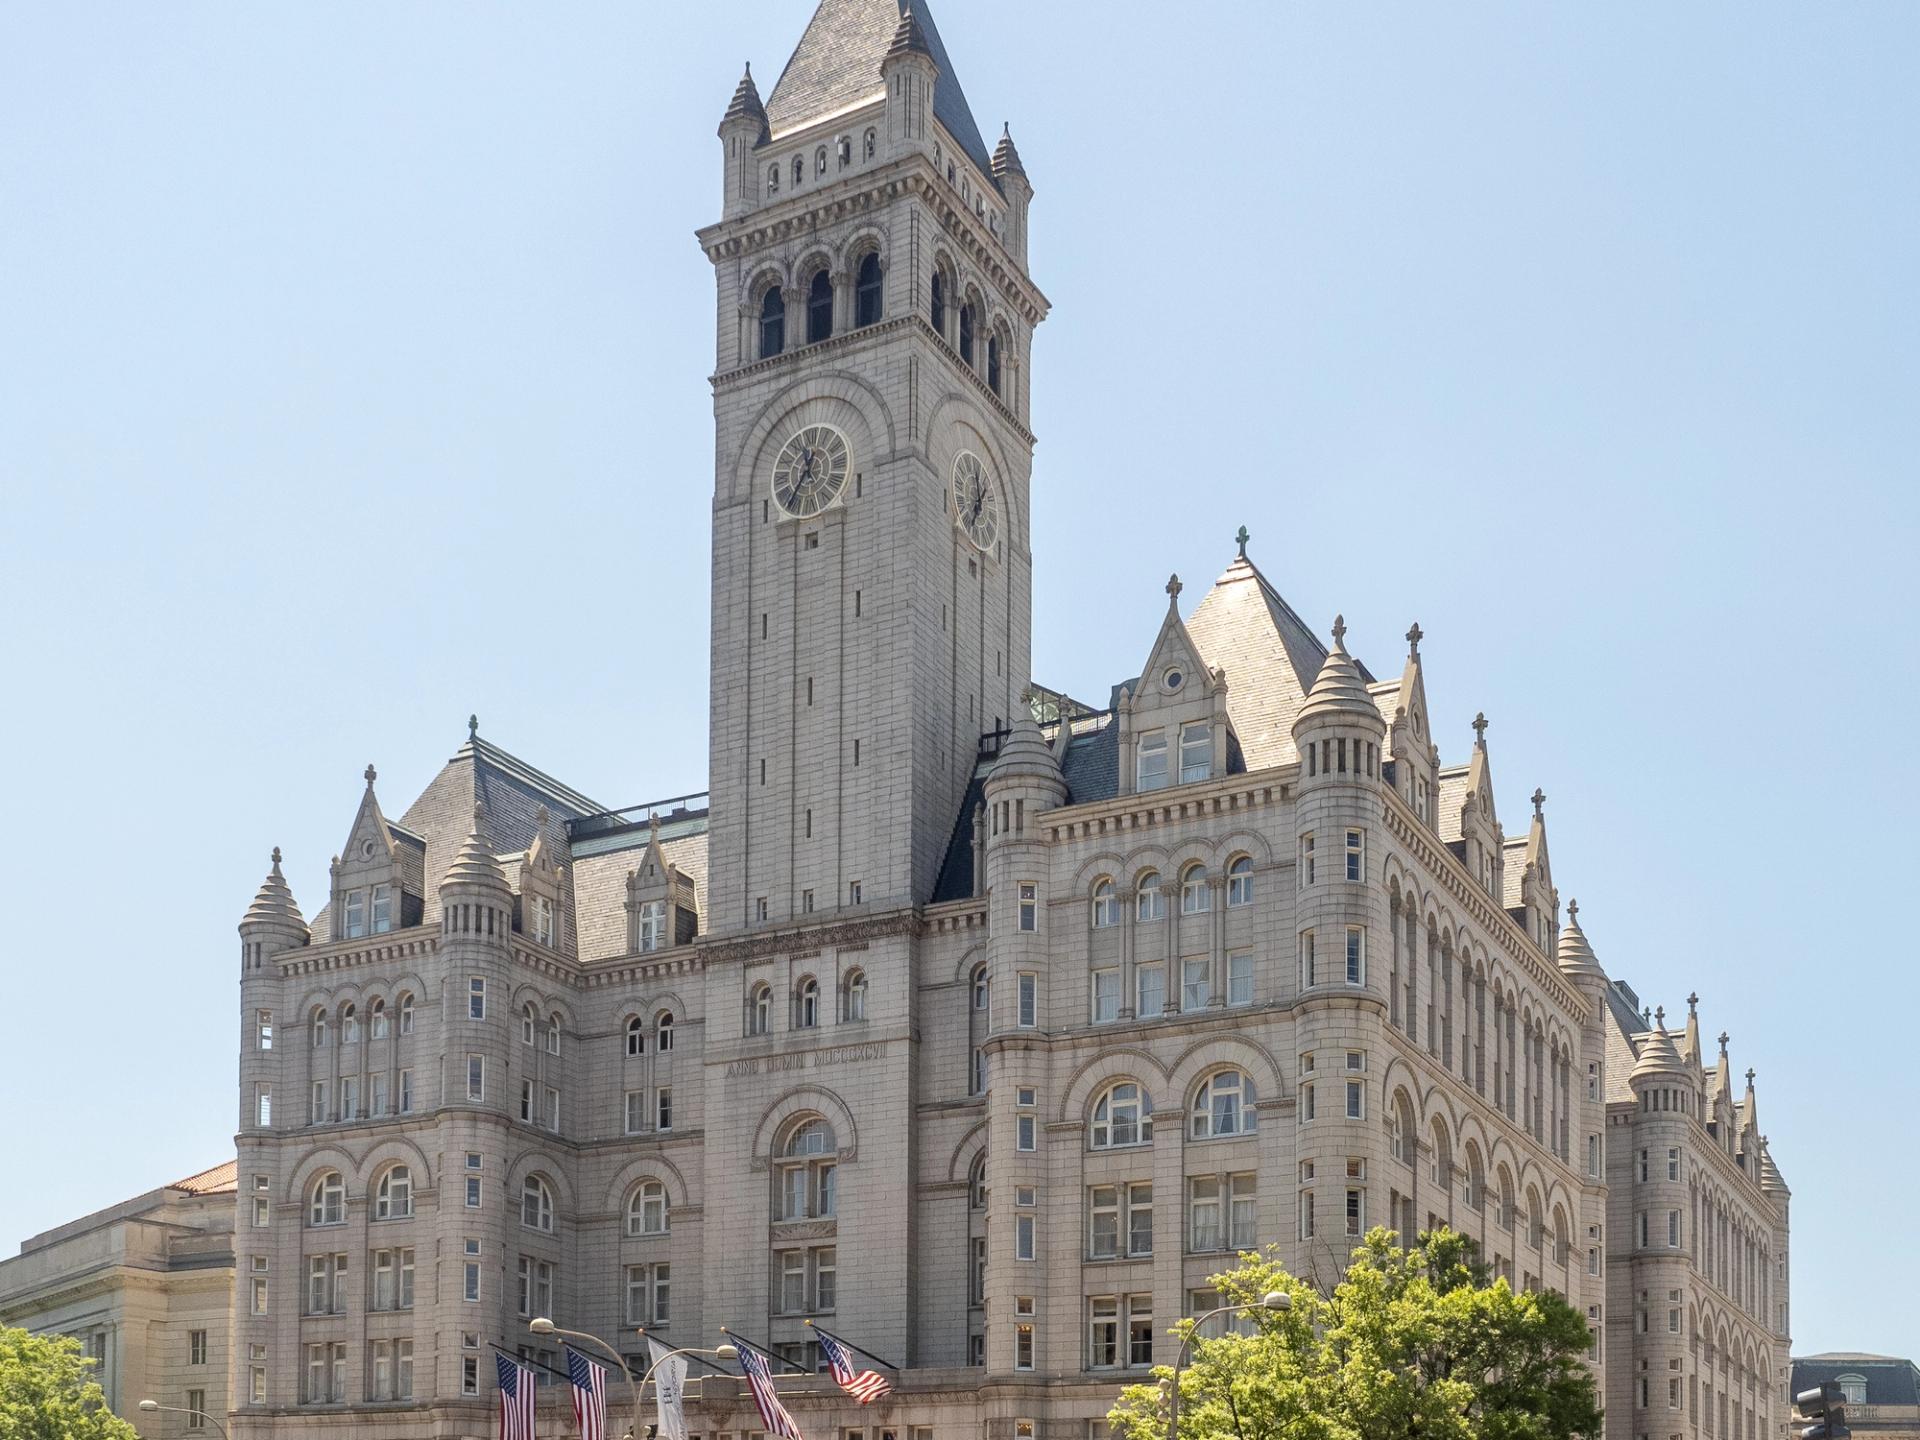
(811, 472)
(976, 501)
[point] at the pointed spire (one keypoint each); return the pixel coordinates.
(1749, 1106)
(1573, 954)
(908, 38)
(1006, 159)
(746, 105)
(476, 864)
(1723, 1071)
(1690, 1044)
(1338, 689)
(273, 907)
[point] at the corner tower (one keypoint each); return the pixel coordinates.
(871, 562)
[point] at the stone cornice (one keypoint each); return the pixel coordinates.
(832, 934)
(396, 945)
(1501, 931)
(1172, 806)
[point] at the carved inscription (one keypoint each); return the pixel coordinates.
(814, 1059)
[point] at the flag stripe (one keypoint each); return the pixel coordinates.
(517, 1397)
(866, 1386)
(773, 1414)
(589, 1395)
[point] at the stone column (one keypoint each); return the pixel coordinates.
(1217, 933)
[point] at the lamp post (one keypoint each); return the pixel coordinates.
(150, 1406)
(541, 1325)
(1272, 1300)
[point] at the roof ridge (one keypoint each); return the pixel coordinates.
(515, 768)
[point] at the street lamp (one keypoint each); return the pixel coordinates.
(1272, 1300)
(152, 1405)
(541, 1325)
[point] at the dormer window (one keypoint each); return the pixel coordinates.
(354, 925)
(653, 925)
(382, 909)
(1196, 751)
(1150, 766)
(543, 919)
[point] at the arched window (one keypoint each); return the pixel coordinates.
(1853, 1389)
(993, 363)
(663, 1033)
(799, 171)
(553, 1035)
(807, 1162)
(1506, 1199)
(647, 1209)
(529, 1023)
(806, 1004)
(1196, 896)
(977, 1183)
(393, 1194)
(536, 1204)
(759, 1009)
(820, 161)
(980, 987)
(937, 306)
(327, 1200)
(319, 1029)
(844, 148)
(405, 1008)
(1148, 902)
(856, 1006)
(773, 323)
(819, 307)
(869, 142)
(1223, 1105)
(866, 290)
(1122, 1115)
(773, 179)
(1106, 905)
(1476, 1181)
(636, 1036)
(349, 1025)
(966, 332)
(377, 1020)
(1240, 881)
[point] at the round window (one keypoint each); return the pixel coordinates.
(1173, 679)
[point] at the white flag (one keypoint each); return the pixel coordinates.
(669, 1390)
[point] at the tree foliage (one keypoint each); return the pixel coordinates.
(1411, 1343)
(47, 1391)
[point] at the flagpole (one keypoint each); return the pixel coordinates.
(780, 1360)
(851, 1346)
(529, 1360)
(543, 1326)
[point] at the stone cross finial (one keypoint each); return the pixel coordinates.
(1660, 1017)
(1573, 910)
(1480, 728)
(1723, 1038)
(479, 817)
(1646, 1015)
(276, 857)
(1414, 637)
(370, 772)
(1539, 803)
(1749, 1078)
(473, 727)
(1339, 629)
(1693, 1002)
(1241, 536)
(1174, 588)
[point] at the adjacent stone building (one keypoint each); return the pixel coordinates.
(977, 1023)
(1882, 1391)
(147, 1287)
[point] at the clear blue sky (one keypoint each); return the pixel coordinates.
(353, 377)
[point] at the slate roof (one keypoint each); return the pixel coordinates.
(837, 65)
(1890, 1379)
(600, 870)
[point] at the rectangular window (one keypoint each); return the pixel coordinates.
(382, 909)
(197, 1407)
(1028, 993)
(1306, 1103)
(377, 1096)
(1196, 751)
(1673, 1229)
(1196, 983)
(1139, 1330)
(476, 997)
(1356, 855)
(196, 1347)
(317, 1103)
(1150, 990)
(355, 924)
(1025, 1127)
(256, 1385)
(476, 1077)
(1306, 860)
(471, 1289)
(1205, 1228)
(1029, 905)
(262, 1201)
(1309, 967)
(263, 1105)
(543, 919)
(1150, 767)
(1356, 1100)
(526, 1101)
(1306, 1215)
(853, 887)
(1103, 1332)
(1593, 1156)
(1023, 1237)
(636, 1112)
(663, 1108)
(1356, 955)
(1240, 978)
(1106, 996)
(1023, 1345)
(1356, 1212)
(350, 1097)
(406, 1092)
(1673, 1163)
(263, 1025)
(553, 1109)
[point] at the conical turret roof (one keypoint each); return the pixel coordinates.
(475, 864)
(1574, 955)
(1024, 756)
(1657, 1053)
(1006, 159)
(274, 905)
(746, 104)
(1338, 690)
(909, 38)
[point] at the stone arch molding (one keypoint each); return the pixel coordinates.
(838, 398)
(648, 1167)
(805, 1100)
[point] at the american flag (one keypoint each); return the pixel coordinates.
(517, 1394)
(589, 1395)
(760, 1380)
(866, 1386)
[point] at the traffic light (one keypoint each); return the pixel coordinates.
(1822, 1406)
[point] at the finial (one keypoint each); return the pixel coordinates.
(1414, 637)
(541, 816)
(1480, 728)
(1006, 130)
(1693, 1002)
(1724, 1037)
(1573, 910)
(1750, 1077)
(276, 859)
(1339, 630)
(473, 727)
(1646, 1015)
(1174, 587)
(479, 817)
(1660, 1017)
(653, 825)
(749, 69)
(370, 774)
(1539, 803)
(1241, 537)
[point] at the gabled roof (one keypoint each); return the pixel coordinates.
(837, 65)
(222, 1178)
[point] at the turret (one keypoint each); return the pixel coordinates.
(1023, 784)
(476, 902)
(1011, 176)
(273, 921)
(1338, 730)
(909, 72)
(742, 130)
(272, 925)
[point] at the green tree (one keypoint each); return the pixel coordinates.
(1411, 1343)
(47, 1391)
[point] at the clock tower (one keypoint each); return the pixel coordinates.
(871, 562)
